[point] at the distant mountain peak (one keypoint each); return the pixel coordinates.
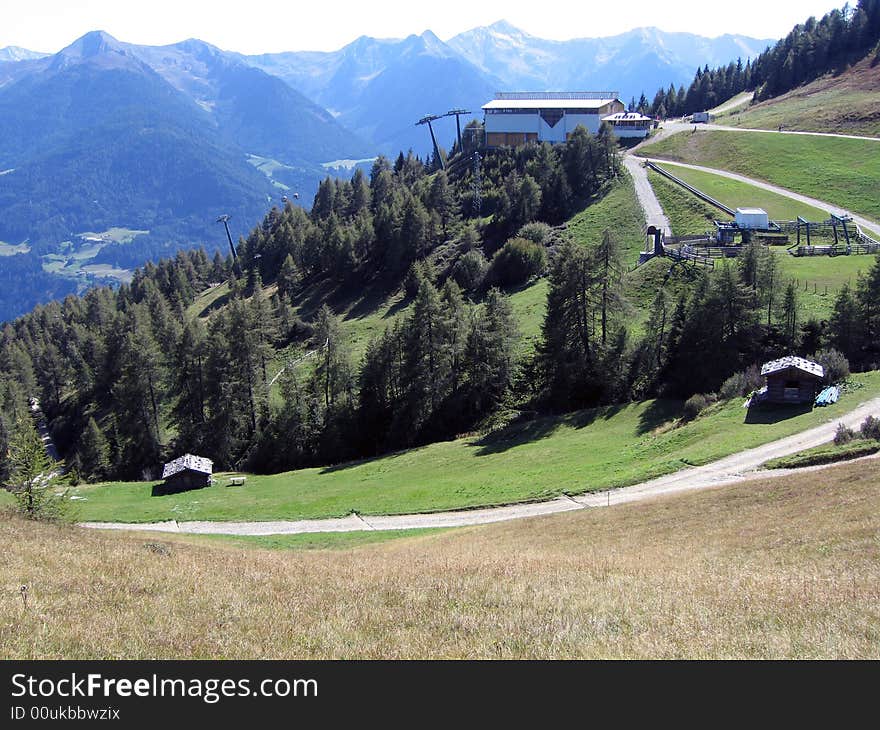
(503, 26)
(16, 53)
(94, 43)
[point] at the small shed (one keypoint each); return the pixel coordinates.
(752, 219)
(186, 472)
(792, 380)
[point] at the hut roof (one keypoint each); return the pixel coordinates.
(187, 461)
(790, 361)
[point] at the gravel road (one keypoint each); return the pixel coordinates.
(654, 215)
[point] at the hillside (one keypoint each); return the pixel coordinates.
(536, 459)
(844, 172)
(94, 140)
(843, 103)
(381, 88)
(781, 569)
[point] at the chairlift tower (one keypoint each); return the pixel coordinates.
(224, 219)
(457, 114)
(427, 119)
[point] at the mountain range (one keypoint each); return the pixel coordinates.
(114, 153)
(380, 88)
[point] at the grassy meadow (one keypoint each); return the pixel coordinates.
(735, 194)
(538, 459)
(844, 172)
(845, 104)
(787, 568)
(619, 211)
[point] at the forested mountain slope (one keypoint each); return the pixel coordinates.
(131, 377)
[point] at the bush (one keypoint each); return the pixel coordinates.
(835, 363)
(741, 383)
(693, 406)
(470, 270)
(870, 428)
(843, 435)
(516, 261)
(536, 232)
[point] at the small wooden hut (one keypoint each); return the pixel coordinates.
(792, 380)
(186, 472)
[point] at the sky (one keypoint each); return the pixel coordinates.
(267, 26)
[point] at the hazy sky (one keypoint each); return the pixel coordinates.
(258, 26)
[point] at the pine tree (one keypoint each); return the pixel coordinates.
(288, 277)
(790, 317)
(33, 478)
(609, 267)
(334, 373)
(93, 452)
(845, 331)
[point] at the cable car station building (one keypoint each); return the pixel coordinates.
(516, 117)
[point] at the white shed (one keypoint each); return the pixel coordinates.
(752, 218)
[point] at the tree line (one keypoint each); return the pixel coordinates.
(812, 49)
(132, 377)
(128, 377)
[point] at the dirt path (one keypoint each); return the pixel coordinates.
(861, 220)
(676, 126)
(735, 468)
(737, 101)
(724, 128)
(654, 215)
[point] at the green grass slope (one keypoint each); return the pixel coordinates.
(844, 172)
(580, 452)
(847, 103)
(736, 194)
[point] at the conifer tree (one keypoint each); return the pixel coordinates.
(33, 478)
(93, 452)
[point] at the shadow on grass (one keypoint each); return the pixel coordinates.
(396, 307)
(522, 431)
(774, 413)
(659, 412)
(163, 489)
(216, 305)
(342, 466)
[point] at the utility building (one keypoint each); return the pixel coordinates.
(752, 219)
(792, 380)
(186, 472)
(516, 117)
(629, 124)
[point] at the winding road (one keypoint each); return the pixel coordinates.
(735, 468)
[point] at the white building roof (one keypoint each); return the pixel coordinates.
(751, 211)
(628, 116)
(187, 461)
(586, 100)
(790, 361)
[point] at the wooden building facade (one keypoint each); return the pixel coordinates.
(792, 380)
(186, 472)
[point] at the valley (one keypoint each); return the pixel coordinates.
(517, 395)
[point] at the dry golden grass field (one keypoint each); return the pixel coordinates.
(781, 568)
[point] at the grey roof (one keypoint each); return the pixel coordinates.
(790, 361)
(187, 461)
(584, 100)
